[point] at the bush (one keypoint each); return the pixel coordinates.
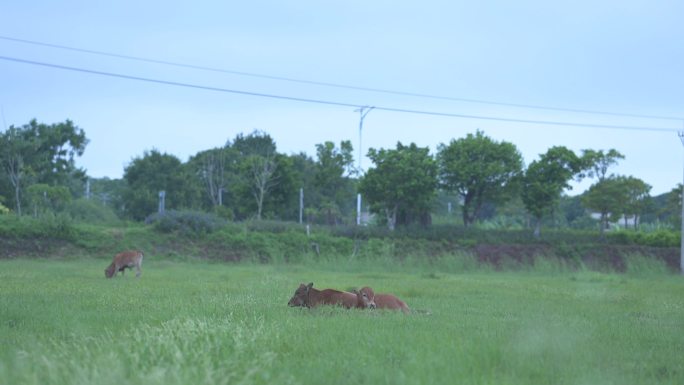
(191, 223)
(92, 212)
(658, 238)
(49, 226)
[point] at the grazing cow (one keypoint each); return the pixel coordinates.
(126, 259)
(366, 298)
(307, 296)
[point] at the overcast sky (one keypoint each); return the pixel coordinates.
(621, 56)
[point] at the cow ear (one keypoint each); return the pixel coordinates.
(309, 286)
(355, 291)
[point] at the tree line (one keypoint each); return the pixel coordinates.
(247, 178)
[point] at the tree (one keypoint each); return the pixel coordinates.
(263, 172)
(17, 152)
(332, 178)
(44, 198)
(110, 193)
(401, 185)
(608, 198)
(216, 169)
(638, 199)
(263, 182)
(596, 163)
(42, 153)
(480, 170)
(673, 206)
(154, 172)
(545, 179)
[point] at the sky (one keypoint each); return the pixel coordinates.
(624, 57)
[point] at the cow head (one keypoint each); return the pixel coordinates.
(301, 295)
(365, 297)
(110, 270)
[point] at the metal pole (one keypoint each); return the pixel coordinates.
(301, 205)
(681, 242)
(362, 116)
(358, 209)
(162, 198)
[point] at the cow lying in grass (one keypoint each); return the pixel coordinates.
(366, 298)
(126, 259)
(307, 296)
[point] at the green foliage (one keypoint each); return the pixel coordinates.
(189, 223)
(546, 178)
(90, 211)
(658, 238)
(596, 163)
(606, 197)
(110, 193)
(155, 172)
(47, 199)
(53, 226)
(224, 212)
(4, 210)
(263, 183)
(41, 153)
(215, 169)
(333, 188)
(480, 170)
(402, 185)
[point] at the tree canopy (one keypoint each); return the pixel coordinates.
(401, 185)
(480, 170)
(41, 153)
(146, 176)
(545, 179)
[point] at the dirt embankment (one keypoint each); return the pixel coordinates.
(594, 256)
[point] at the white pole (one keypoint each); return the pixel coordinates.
(301, 205)
(162, 199)
(362, 115)
(358, 209)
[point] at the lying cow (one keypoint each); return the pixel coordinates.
(126, 259)
(366, 298)
(307, 296)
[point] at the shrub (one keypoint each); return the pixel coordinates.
(191, 223)
(658, 238)
(90, 211)
(49, 226)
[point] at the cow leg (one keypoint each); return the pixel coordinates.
(138, 270)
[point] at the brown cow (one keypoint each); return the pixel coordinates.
(307, 296)
(366, 298)
(126, 259)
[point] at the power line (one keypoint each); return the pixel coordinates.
(334, 103)
(335, 85)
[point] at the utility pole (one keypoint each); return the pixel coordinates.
(363, 111)
(301, 205)
(162, 201)
(681, 242)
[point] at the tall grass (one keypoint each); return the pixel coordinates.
(200, 322)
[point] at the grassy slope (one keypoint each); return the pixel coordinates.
(197, 322)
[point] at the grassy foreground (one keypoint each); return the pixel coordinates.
(62, 322)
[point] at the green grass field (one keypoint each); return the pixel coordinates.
(62, 322)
